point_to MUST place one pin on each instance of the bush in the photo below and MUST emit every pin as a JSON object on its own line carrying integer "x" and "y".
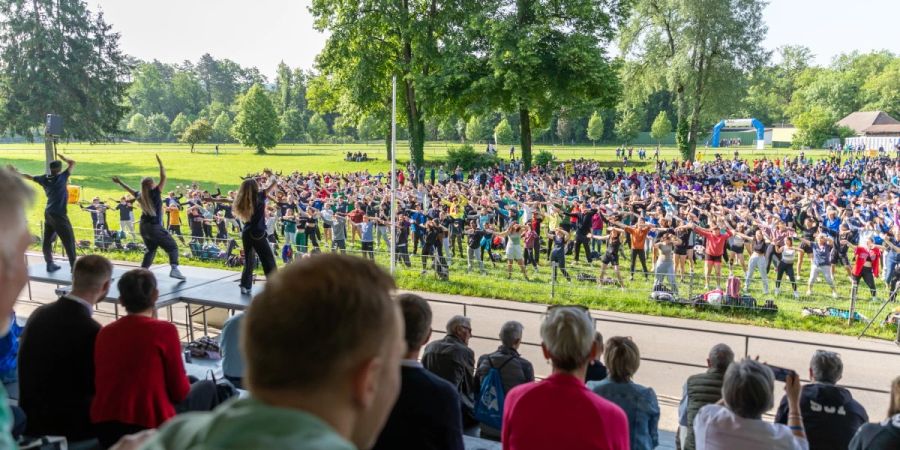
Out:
{"x": 543, "y": 158}
{"x": 466, "y": 157}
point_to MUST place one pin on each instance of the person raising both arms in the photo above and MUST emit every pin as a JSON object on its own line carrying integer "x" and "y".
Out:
{"x": 250, "y": 207}
{"x": 152, "y": 231}
{"x": 715, "y": 248}
{"x": 56, "y": 218}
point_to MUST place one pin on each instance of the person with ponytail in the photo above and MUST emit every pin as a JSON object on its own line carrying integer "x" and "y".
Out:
{"x": 152, "y": 231}
{"x": 250, "y": 207}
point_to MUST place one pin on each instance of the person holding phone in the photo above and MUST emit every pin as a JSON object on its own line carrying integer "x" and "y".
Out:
{"x": 736, "y": 421}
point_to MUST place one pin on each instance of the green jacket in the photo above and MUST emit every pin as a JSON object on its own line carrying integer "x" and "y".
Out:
{"x": 702, "y": 389}
{"x": 247, "y": 424}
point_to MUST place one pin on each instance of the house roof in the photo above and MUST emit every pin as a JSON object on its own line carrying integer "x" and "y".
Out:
{"x": 889, "y": 128}
{"x": 860, "y": 121}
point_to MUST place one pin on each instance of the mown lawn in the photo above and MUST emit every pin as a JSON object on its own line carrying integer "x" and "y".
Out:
{"x": 98, "y": 163}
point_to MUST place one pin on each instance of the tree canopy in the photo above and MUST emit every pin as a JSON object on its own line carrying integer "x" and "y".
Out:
{"x": 257, "y": 124}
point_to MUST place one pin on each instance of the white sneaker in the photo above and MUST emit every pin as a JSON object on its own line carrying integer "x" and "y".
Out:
{"x": 777, "y": 292}
{"x": 796, "y": 294}
{"x": 175, "y": 273}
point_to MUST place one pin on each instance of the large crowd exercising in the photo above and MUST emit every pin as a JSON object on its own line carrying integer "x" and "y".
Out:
{"x": 813, "y": 220}
{"x": 332, "y": 358}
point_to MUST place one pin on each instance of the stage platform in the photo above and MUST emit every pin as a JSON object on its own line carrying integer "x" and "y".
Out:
{"x": 203, "y": 287}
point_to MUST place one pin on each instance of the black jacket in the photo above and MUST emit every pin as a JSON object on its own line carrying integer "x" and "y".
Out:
{"x": 56, "y": 370}
{"x": 830, "y": 415}
{"x": 452, "y": 360}
{"x": 426, "y": 415}
{"x": 875, "y": 436}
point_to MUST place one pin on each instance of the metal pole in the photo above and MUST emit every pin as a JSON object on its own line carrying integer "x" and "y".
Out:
{"x": 393, "y": 174}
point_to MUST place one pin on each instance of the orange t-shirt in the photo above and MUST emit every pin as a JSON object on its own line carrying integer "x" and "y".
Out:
{"x": 638, "y": 236}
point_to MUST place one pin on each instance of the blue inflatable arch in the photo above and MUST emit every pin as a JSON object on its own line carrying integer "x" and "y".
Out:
{"x": 738, "y": 123}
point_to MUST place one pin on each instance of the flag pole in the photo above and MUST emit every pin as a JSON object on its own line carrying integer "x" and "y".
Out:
{"x": 393, "y": 174}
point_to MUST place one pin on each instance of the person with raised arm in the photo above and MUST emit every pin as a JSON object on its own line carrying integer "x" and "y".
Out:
{"x": 152, "y": 231}
{"x": 56, "y": 218}
{"x": 250, "y": 207}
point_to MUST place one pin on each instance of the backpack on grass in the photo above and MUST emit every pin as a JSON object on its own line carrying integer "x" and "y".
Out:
{"x": 489, "y": 405}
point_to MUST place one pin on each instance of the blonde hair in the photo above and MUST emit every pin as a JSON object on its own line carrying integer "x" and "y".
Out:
{"x": 622, "y": 358}
{"x": 245, "y": 200}
{"x": 144, "y": 200}
{"x": 894, "y": 407}
{"x": 568, "y": 335}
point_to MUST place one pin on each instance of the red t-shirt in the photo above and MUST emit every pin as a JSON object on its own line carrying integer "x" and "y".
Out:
{"x": 715, "y": 242}
{"x": 561, "y": 413}
{"x": 139, "y": 374}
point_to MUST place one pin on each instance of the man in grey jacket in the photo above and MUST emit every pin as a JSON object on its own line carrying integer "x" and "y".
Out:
{"x": 514, "y": 370}
{"x": 451, "y": 359}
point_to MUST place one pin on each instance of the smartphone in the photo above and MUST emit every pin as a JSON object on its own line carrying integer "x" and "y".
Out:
{"x": 780, "y": 373}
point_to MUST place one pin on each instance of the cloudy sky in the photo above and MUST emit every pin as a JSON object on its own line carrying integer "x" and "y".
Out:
{"x": 263, "y": 32}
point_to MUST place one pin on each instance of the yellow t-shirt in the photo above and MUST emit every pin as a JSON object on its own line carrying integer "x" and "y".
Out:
{"x": 174, "y": 216}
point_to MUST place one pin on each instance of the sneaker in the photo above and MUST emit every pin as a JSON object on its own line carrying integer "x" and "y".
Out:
{"x": 175, "y": 273}
{"x": 796, "y": 294}
{"x": 245, "y": 291}
{"x": 777, "y": 292}
{"x": 51, "y": 267}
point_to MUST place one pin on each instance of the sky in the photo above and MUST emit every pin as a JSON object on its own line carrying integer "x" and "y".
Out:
{"x": 262, "y": 33}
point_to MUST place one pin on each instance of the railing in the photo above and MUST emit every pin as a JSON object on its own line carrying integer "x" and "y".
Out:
{"x": 747, "y": 338}
{"x": 545, "y": 287}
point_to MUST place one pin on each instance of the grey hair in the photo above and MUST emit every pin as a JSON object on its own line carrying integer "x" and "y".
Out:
{"x": 511, "y": 333}
{"x": 826, "y": 366}
{"x": 16, "y": 197}
{"x": 748, "y": 388}
{"x": 456, "y": 322}
{"x": 720, "y": 357}
{"x": 568, "y": 335}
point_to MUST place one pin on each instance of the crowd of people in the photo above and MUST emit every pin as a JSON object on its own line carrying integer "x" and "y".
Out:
{"x": 793, "y": 216}
{"x": 359, "y": 381}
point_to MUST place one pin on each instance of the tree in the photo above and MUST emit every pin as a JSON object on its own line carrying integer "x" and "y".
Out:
{"x": 138, "y": 127}
{"x": 284, "y": 81}
{"x": 881, "y": 92}
{"x": 370, "y": 41}
{"x": 476, "y": 130}
{"x": 369, "y": 128}
{"x": 447, "y": 130}
{"x": 814, "y": 127}
{"x": 58, "y": 57}
{"x": 661, "y": 127}
{"x": 317, "y": 128}
{"x": 628, "y": 126}
{"x": 222, "y": 128}
{"x": 180, "y": 124}
{"x": 198, "y": 132}
{"x": 699, "y": 50}
{"x": 293, "y": 124}
{"x": 503, "y": 132}
{"x": 563, "y": 128}
{"x": 595, "y": 128}
{"x": 543, "y": 56}
{"x": 257, "y": 123}
{"x": 158, "y": 128}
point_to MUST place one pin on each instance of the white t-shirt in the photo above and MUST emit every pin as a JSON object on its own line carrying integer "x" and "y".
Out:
{"x": 717, "y": 428}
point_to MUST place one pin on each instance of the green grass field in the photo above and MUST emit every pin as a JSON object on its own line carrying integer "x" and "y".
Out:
{"x": 98, "y": 163}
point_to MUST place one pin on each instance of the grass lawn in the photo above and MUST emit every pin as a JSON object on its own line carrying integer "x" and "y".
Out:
{"x": 98, "y": 163}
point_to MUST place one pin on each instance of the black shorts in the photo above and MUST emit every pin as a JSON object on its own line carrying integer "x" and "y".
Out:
{"x": 368, "y": 246}
{"x": 326, "y": 225}
{"x": 682, "y": 250}
{"x": 840, "y": 259}
{"x": 714, "y": 258}
{"x": 737, "y": 249}
{"x": 610, "y": 259}
{"x": 806, "y": 248}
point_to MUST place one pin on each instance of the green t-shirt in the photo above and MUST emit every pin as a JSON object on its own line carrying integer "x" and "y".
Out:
{"x": 247, "y": 424}
{"x": 6, "y": 422}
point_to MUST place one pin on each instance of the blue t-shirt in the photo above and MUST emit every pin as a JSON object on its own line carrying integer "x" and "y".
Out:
{"x": 55, "y": 186}
{"x": 366, "y": 230}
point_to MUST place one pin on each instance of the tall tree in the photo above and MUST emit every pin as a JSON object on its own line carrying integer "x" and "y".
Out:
{"x": 179, "y": 124}
{"x": 257, "y": 123}
{"x": 138, "y": 127}
{"x": 628, "y": 126}
{"x": 317, "y": 128}
{"x": 699, "y": 50}
{"x": 545, "y": 55}
{"x": 371, "y": 40}
{"x": 503, "y": 132}
{"x": 198, "y": 132}
{"x": 222, "y": 128}
{"x": 158, "y": 129}
{"x": 58, "y": 57}
{"x": 595, "y": 128}
{"x": 294, "y": 125}
{"x": 284, "y": 86}
{"x": 661, "y": 127}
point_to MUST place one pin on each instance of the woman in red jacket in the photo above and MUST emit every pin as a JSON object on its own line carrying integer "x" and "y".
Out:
{"x": 139, "y": 374}
{"x": 868, "y": 262}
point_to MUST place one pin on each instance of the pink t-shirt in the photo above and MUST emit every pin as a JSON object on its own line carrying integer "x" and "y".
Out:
{"x": 560, "y": 412}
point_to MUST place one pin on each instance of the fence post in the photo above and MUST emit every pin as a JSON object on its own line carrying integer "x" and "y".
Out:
{"x": 553, "y": 280}
{"x": 691, "y": 284}
{"x": 853, "y": 289}
{"x": 746, "y": 346}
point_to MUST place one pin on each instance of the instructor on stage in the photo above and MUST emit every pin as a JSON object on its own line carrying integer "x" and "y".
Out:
{"x": 56, "y": 219}
{"x": 152, "y": 231}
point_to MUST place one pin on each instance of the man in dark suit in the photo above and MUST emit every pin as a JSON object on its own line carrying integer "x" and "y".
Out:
{"x": 56, "y": 356}
{"x": 426, "y": 415}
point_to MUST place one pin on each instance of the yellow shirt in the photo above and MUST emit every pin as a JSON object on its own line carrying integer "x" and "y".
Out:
{"x": 174, "y": 216}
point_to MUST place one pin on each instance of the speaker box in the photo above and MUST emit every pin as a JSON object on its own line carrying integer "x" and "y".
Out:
{"x": 54, "y": 126}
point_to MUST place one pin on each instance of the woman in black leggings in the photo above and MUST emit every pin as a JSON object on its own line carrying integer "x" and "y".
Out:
{"x": 152, "y": 230}
{"x": 250, "y": 207}
{"x": 868, "y": 259}
{"x": 786, "y": 256}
